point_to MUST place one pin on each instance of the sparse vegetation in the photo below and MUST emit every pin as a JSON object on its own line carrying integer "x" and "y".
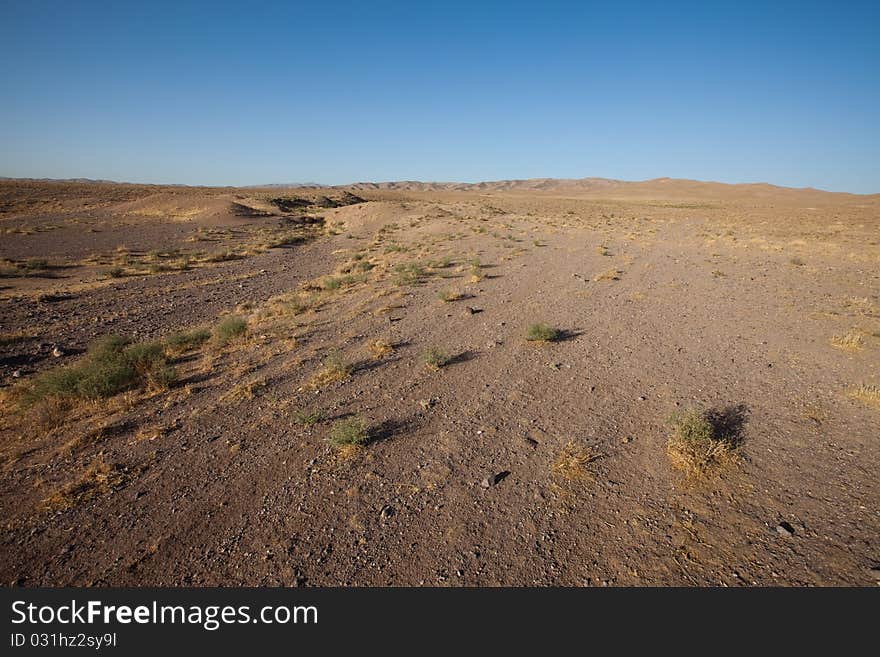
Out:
{"x": 851, "y": 341}
{"x": 435, "y": 358}
{"x": 409, "y": 273}
{"x": 99, "y": 478}
{"x": 333, "y": 283}
{"x": 183, "y": 341}
{"x": 572, "y": 461}
{"x": 112, "y": 365}
{"x": 535, "y": 381}
{"x": 246, "y": 390}
{"x": 308, "y": 418}
{"x": 381, "y": 348}
{"x": 334, "y": 368}
{"x": 352, "y": 431}
{"x": 7, "y": 339}
{"x": 293, "y": 303}
{"x": 448, "y": 296}
{"x": 868, "y": 393}
{"x": 229, "y": 328}
{"x": 697, "y": 446}
{"x": 608, "y": 275}
{"x": 861, "y": 306}
{"x": 542, "y": 333}
{"x": 35, "y": 264}
{"x": 222, "y": 256}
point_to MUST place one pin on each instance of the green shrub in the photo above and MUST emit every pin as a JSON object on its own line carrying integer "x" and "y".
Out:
{"x": 308, "y": 418}
{"x": 350, "y": 431}
{"x": 111, "y": 365}
{"x": 542, "y": 333}
{"x": 331, "y": 283}
{"x": 696, "y": 445}
{"x": 35, "y": 264}
{"x": 435, "y": 358}
{"x": 187, "y": 340}
{"x": 230, "y": 328}
{"x": 409, "y": 273}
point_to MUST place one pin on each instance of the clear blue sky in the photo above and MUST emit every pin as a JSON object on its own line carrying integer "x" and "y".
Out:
{"x": 334, "y": 92}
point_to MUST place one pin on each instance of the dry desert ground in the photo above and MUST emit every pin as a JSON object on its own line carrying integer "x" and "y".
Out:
{"x": 583, "y": 382}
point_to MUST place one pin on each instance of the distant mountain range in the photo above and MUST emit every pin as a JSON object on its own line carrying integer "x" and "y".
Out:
{"x": 661, "y": 186}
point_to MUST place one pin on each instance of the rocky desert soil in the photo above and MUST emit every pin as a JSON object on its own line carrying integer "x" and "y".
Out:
{"x": 486, "y": 458}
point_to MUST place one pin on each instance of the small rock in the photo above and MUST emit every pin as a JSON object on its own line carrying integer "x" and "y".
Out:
{"x": 784, "y": 529}
{"x": 474, "y": 311}
{"x": 494, "y": 479}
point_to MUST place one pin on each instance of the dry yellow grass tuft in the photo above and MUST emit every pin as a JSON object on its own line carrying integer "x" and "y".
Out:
{"x": 609, "y": 275}
{"x": 245, "y": 390}
{"x": 868, "y": 393}
{"x": 380, "y": 348}
{"x": 696, "y": 445}
{"x": 335, "y": 368}
{"x": 346, "y": 452}
{"x": 448, "y": 296}
{"x": 572, "y": 462}
{"x": 98, "y": 479}
{"x": 861, "y": 306}
{"x": 850, "y": 341}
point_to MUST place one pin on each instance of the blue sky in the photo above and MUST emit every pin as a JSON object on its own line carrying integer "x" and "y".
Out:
{"x": 335, "y": 92}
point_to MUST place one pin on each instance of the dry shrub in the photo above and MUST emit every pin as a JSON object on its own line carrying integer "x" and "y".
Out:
{"x": 98, "y": 479}
{"x": 447, "y": 296}
{"x": 851, "y": 341}
{"x": 380, "y": 348}
{"x": 572, "y": 462}
{"x": 334, "y": 368}
{"x": 861, "y": 306}
{"x": 704, "y": 442}
{"x": 868, "y": 393}
{"x": 609, "y": 275}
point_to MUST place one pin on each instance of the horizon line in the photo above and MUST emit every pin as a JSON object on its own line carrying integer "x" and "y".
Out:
{"x": 86, "y": 180}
